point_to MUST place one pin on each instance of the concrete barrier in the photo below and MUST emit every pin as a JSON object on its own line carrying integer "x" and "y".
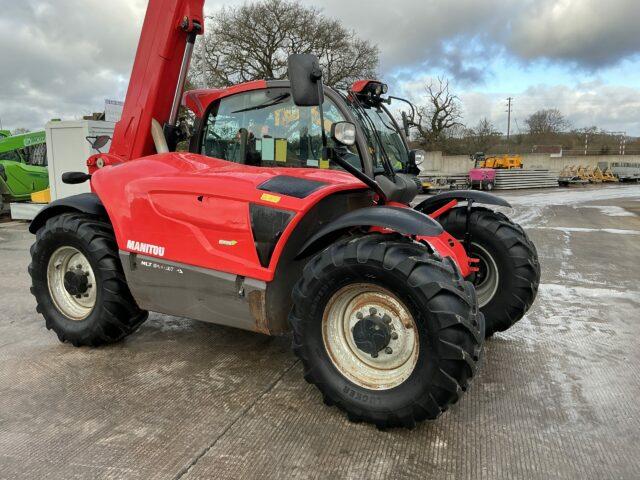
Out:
{"x": 438, "y": 164}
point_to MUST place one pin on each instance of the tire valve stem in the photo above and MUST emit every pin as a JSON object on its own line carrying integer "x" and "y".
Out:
{"x": 394, "y": 336}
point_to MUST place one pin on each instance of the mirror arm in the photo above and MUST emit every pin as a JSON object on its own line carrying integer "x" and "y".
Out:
{"x": 318, "y": 77}
{"x": 360, "y": 175}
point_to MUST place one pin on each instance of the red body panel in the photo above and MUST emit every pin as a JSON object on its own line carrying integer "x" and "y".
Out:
{"x": 196, "y": 208}
{"x": 155, "y": 74}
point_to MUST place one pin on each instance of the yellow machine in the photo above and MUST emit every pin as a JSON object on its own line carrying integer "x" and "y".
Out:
{"x": 568, "y": 171}
{"x": 505, "y": 161}
{"x": 595, "y": 174}
{"x": 608, "y": 176}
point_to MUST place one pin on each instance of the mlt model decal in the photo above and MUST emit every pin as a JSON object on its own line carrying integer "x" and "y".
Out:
{"x": 145, "y": 248}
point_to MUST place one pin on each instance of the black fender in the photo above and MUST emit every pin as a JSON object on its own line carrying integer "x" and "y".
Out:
{"x": 433, "y": 203}
{"x": 83, "y": 203}
{"x": 398, "y": 219}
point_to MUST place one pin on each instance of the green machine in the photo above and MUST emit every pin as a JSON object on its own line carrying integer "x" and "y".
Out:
{"x": 23, "y": 166}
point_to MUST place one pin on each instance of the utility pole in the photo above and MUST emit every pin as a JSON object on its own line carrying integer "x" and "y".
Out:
{"x": 509, "y": 124}
{"x": 586, "y": 142}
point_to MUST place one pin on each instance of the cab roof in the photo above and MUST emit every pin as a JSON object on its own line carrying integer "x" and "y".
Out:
{"x": 199, "y": 100}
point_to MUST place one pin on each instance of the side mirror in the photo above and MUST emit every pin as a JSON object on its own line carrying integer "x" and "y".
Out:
{"x": 305, "y": 76}
{"x": 344, "y": 133}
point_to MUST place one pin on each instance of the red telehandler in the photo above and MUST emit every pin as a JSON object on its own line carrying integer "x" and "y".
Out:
{"x": 289, "y": 212}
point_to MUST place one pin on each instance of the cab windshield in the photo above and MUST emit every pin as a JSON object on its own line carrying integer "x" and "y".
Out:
{"x": 383, "y": 137}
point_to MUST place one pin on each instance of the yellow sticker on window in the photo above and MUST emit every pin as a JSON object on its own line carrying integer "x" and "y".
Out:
{"x": 267, "y": 197}
{"x": 324, "y": 163}
{"x": 281, "y": 150}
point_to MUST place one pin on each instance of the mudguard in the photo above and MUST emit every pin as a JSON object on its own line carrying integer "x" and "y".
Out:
{"x": 83, "y": 202}
{"x": 398, "y": 219}
{"x": 433, "y": 203}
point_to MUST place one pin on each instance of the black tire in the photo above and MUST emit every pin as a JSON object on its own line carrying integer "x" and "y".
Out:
{"x": 516, "y": 259}
{"x": 442, "y": 304}
{"x": 115, "y": 313}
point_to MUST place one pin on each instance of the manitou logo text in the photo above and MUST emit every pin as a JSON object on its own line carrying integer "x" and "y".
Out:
{"x": 145, "y": 248}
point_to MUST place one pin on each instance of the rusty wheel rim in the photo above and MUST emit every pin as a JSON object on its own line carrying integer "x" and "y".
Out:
{"x": 393, "y": 363}
{"x": 64, "y": 260}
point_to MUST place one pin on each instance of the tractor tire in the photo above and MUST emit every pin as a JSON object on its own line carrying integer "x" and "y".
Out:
{"x": 387, "y": 331}
{"x": 509, "y": 275}
{"x": 79, "y": 284}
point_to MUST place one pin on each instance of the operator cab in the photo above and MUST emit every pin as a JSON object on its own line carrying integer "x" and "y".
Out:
{"x": 291, "y": 124}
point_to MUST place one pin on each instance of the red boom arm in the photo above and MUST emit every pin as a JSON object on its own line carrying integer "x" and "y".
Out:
{"x": 156, "y": 73}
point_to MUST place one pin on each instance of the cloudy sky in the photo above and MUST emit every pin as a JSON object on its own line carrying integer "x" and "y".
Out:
{"x": 62, "y": 58}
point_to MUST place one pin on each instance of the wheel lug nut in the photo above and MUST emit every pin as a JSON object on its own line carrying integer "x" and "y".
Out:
{"x": 386, "y": 318}
{"x": 394, "y": 336}
{"x": 359, "y": 316}
{"x": 388, "y": 350}
{"x": 374, "y": 355}
{"x": 373, "y": 311}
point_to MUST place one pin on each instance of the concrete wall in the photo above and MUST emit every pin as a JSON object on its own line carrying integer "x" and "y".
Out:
{"x": 436, "y": 163}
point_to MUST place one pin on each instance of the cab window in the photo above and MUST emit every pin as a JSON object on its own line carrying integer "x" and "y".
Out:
{"x": 265, "y": 128}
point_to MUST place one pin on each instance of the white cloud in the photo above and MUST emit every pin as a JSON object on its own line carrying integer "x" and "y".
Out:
{"x": 610, "y": 107}
{"x": 62, "y": 58}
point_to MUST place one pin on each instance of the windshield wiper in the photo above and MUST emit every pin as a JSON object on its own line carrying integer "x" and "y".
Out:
{"x": 271, "y": 103}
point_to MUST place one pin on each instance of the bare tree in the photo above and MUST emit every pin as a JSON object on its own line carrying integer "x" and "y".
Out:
{"x": 441, "y": 113}
{"x": 253, "y": 41}
{"x": 546, "y": 121}
{"x": 483, "y": 136}
{"x": 20, "y": 130}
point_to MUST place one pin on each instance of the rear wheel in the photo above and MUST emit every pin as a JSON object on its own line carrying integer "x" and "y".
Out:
{"x": 509, "y": 271}
{"x": 79, "y": 284}
{"x": 387, "y": 331}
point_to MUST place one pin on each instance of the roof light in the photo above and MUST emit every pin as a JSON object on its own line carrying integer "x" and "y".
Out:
{"x": 371, "y": 88}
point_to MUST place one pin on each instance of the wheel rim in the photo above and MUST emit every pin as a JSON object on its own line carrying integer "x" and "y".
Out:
{"x": 72, "y": 283}
{"x": 487, "y": 279}
{"x": 345, "y": 313}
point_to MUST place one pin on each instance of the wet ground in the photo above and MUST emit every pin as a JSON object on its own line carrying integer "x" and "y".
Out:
{"x": 557, "y": 397}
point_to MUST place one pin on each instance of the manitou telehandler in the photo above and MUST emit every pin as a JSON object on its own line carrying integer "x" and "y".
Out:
{"x": 289, "y": 212}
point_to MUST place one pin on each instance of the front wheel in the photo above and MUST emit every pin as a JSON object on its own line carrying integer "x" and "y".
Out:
{"x": 386, "y": 331}
{"x": 78, "y": 281}
{"x": 509, "y": 271}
